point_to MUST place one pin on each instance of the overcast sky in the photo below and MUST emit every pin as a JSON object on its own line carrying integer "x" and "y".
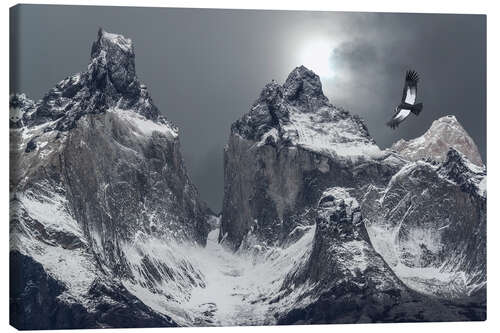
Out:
{"x": 204, "y": 68}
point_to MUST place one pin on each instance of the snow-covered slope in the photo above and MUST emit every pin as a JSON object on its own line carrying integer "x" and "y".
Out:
{"x": 429, "y": 224}
{"x": 444, "y": 133}
{"x": 326, "y": 133}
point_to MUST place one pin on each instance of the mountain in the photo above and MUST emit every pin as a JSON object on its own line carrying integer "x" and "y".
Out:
{"x": 318, "y": 224}
{"x": 282, "y": 155}
{"x": 444, "y": 133}
{"x": 96, "y": 177}
{"x": 394, "y": 239}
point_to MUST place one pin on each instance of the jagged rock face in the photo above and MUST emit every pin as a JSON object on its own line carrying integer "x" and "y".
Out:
{"x": 341, "y": 246}
{"x": 444, "y": 133}
{"x": 292, "y": 145}
{"x": 114, "y": 60}
{"x": 96, "y": 170}
{"x": 109, "y": 82}
{"x": 429, "y": 224}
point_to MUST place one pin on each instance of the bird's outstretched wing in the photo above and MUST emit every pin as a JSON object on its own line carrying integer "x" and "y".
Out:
{"x": 410, "y": 88}
{"x": 398, "y": 118}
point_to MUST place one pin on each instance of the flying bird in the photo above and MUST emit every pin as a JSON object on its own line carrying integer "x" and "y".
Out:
{"x": 407, "y": 104}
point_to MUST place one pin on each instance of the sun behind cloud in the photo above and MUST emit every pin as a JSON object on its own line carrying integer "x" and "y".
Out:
{"x": 315, "y": 54}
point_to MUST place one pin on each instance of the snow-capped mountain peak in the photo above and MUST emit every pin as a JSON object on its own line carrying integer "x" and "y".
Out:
{"x": 112, "y": 56}
{"x": 109, "y": 84}
{"x": 298, "y": 113}
{"x": 303, "y": 88}
{"x": 444, "y": 133}
{"x": 124, "y": 43}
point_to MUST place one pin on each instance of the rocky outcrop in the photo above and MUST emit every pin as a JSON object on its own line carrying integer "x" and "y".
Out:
{"x": 96, "y": 170}
{"x": 444, "y": 133}
{"x": 341, "y": 250}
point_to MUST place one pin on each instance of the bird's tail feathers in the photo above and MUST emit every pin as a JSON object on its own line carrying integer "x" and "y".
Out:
{"x": 392, "y": 123}
{"x": 417, "y": 108}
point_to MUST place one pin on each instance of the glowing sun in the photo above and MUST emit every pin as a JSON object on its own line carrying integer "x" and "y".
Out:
{"x": 315, "y": 55}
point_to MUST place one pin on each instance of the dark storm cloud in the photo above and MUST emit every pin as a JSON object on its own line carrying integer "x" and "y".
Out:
{"x": 356, "y": 55}
{"x": 205, "y": 67}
